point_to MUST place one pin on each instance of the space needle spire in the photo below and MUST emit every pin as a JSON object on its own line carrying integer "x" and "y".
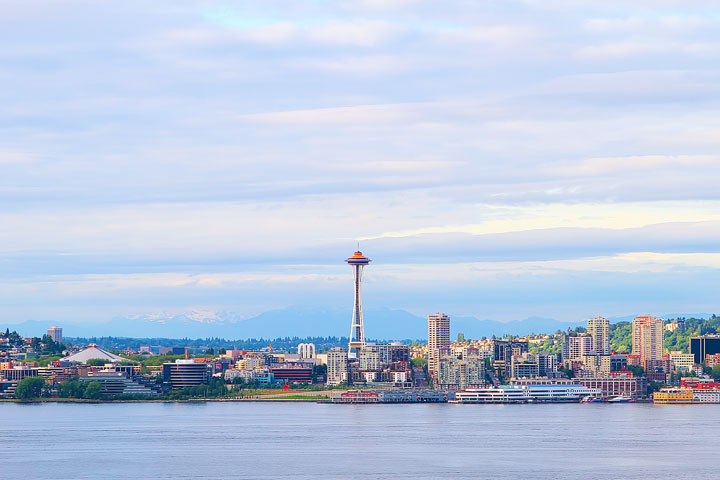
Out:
{"x": 357, "y": 330}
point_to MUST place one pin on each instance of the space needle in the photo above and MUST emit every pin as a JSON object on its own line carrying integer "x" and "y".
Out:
{"x": 357, "y": 330}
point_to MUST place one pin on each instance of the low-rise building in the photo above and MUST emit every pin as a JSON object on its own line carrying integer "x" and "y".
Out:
{"x": 357, "y": 396}
{"x": 712, "y": 360}
{"x": 185, "y": 373}
{"x": 682, "y": 361}
{"x": 119, "y": 383}
{"x": 674, "y": 395}
{"x": 292, "y": 373}
{"x": 18, "y": 372}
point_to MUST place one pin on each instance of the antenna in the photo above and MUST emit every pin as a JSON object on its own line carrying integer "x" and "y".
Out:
{"x": 358, "y": 245}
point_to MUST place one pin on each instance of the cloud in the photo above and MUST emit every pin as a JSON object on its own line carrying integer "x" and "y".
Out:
{"x": 13, "y": 158}
{"x": 207, "y": 142}
{"x": 646, "y": 24}
{"x": 334, "y": 33}
{"x": 354, "y": 115}
{"x": 592, "y": 167}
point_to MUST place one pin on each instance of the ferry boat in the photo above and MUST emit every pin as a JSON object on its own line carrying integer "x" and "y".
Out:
{"x": 526, "y": 394}
{"x": 682, "y": 395}
{"x": 621, "y": 399}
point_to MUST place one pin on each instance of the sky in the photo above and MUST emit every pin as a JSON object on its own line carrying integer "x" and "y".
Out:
{"x": 494, "y": 159}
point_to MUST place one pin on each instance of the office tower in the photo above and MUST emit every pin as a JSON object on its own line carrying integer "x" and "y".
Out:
{"x": 337, "y": 366}
{"x": 599, "y": 330}
{"x": 547, "y": 364}
{"x": 357, "y": 329}
{"x": 503, "y": 350}
{"x": 704, "y": 345}
{"x": 438, "y": 337}
{"x": 55, "y": 333}
{"x": 185, "y": 373}
{"x": 647, "y": 338}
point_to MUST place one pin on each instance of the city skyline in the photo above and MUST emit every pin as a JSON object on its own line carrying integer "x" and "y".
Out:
{"x": 551, "y": 159}
{"x": 183, "y": 183}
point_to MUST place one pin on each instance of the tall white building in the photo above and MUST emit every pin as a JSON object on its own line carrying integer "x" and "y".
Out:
{"x": 306, "y": 350}
{"x": 337, "y": 366}
{"x": 55, "y": 333}
{"x": 438, "y": 338}
{"x": 647, "y": 338}
{"x": 599, "y": 330}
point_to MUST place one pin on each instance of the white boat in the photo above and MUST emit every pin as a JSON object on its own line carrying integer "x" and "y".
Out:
{"x": 526, "y": 394}
{"x": 621, "y": 399}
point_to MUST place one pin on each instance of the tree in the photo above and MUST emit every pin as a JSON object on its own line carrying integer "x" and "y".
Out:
{"x": 93, "y": 390}
{"x": 716, "y": 372}
{"x": 71, "y": 389}
{"x": 460, "y": 337}
{"x": 29, "y": 387}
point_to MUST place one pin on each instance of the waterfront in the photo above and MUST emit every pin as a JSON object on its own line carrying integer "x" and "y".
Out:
{"x": 291, "y": 440}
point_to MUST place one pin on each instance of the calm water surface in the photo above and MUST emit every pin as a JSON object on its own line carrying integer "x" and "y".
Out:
{"x": 292, "y": 440}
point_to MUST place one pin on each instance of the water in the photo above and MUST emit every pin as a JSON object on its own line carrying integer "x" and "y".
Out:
{"x": 293, "y": 440}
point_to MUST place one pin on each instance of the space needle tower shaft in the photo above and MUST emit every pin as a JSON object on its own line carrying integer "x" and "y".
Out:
{"x": 357, "y": 329}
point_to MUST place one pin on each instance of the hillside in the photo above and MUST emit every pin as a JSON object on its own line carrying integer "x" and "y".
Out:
{"x": 621, "y": 334}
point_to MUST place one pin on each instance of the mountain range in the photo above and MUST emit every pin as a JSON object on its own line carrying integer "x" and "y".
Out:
{"x": 380, "y": 324}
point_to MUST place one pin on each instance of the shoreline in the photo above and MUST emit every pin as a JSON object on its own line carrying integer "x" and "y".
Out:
{"x": 291, "y": 400}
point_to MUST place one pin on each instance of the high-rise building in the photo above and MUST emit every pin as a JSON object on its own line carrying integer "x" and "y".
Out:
{"x": 357, "y": 329}
{"x": 337, "y": 366}
{"x": 503, "y": 350}
{"x": 565, "y": 347}
{"x": 438, "y": 337}
{"x": 647, "y": 338}
{"x": 599, "y": 330}
{"x": 455, "y": 373}
{"x": 595, "y": 365}
{"x": 306, "y": 350}
{"x": 704, "y": 345}
{"x": 369, "y": 359}
{"x": 579, "y": 346}
{"x": 547, "y": 364}
{"x": 55, "y": 333}
{"x": 525, "y": 365}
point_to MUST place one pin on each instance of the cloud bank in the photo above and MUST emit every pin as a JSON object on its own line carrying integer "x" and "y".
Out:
{"x": 502, "y": 160}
